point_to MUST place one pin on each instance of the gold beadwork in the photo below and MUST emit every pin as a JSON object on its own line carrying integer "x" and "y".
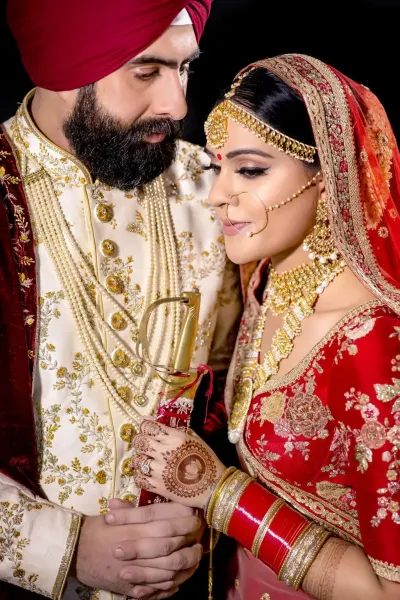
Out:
{"x": 118, "y": 321}
{"x": 125, "y": 393}
{"x": 140, "y": 400}
{"x": 127, "y": 432}
{"x": 120, "y": 358}
{"x": 114, "y": 284}
{"x": 302, "y": 555}
{"x": 108, "y": 248}
{"x": 216, "y": 128}
{"x": 127, "y": 468}
{"x": 104, "y": 212}
{"x": 320, "y": 244}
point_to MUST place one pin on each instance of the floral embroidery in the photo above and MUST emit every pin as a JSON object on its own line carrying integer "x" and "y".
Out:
{"x": 194, "y": 268}
{"x": 358, "y": 328}
{"x": 94, "y": 437}
{"x": 138, "y": 226}
{"x": 12, "y": 545}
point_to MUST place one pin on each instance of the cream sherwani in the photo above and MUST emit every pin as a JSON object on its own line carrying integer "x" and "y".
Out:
{"x": 84, "y": 455}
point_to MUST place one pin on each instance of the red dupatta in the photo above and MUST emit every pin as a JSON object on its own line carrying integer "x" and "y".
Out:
{"x": 361, "y": 165}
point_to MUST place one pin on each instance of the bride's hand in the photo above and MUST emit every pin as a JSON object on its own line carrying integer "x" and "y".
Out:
{"x": 174, "y": 464}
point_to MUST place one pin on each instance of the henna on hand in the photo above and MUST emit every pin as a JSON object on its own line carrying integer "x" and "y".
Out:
{"x": 152, "y": 429}
{"x": 142, "y": 481}
{"x": 141, "y": 443}
{"x": 190, "y": 470}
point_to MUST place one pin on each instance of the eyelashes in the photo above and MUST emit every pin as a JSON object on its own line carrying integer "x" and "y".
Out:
{"x": 247, "y": 172}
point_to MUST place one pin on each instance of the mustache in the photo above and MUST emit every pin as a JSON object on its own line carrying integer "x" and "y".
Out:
{"x": 144, "y": 127}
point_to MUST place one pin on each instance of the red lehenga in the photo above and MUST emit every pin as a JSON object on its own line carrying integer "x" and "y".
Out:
{"x": 326, "y": 436}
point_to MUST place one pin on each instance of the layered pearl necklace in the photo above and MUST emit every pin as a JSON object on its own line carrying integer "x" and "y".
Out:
{"x": 73, "y": 270}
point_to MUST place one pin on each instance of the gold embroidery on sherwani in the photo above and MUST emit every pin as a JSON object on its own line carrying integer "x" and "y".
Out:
{"x": 87, "y": 471}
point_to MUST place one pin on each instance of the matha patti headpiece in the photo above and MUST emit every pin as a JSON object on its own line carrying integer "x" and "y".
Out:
{"x": 216, "y": 127}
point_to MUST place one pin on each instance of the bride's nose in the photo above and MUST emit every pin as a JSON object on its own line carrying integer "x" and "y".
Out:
{"x": 222, "y": 194}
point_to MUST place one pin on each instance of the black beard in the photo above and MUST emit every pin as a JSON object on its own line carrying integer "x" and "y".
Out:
{"x": 114, "y": 153}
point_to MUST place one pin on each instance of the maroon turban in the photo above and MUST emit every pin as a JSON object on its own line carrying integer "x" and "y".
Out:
{"x": 66, "y": 44}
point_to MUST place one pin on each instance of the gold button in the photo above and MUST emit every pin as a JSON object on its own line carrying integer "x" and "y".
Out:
{"x": 140, "y": 400}
{"x": 118, "y": 321}
{"x": 120, "y": 358}
{"x": 115, "y": 284}
{"x": 137, "y": 369}
{"x": 130, "y": 498}
{"x": 127, "y": 468}
{"x": 108, "y": 248}
{"x": 104, "y": 212}
{"x": 124, "y": 393}
{"x": 127, "y": 432}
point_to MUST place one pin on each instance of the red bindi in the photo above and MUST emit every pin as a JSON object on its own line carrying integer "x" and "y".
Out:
{"x": 219, "y": 156}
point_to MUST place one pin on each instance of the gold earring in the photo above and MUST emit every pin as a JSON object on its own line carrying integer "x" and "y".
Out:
{"x": 319, "y": 244}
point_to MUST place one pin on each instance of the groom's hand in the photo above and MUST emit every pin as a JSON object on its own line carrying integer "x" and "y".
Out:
{"x": 164, "y": 539}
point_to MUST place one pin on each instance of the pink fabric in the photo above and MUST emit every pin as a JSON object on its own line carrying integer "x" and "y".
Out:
{"x": 68, "y": 44}
{"x": 248, "y": 573}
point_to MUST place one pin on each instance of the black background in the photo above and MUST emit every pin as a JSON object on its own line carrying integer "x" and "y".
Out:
{"x": 358, "y": 37}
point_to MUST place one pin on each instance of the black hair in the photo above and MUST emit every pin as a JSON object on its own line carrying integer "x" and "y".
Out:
{"x": 277, "y": 105}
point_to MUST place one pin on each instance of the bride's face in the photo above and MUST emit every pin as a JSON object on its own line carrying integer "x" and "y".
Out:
{"x": 269, "y": 176}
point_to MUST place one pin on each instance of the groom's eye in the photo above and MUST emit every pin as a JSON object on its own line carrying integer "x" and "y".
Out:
{"x": 145, "y": 76}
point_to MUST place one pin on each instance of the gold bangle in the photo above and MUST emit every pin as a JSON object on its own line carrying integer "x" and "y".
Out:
{"x": 233, "y": 501}
{"x": 220, "y": 497}
{"x": 224, "y": 504}
{"x": 302, "y": 555}
{"x": 265, "y": 525}
{"x": 209, "y": 509}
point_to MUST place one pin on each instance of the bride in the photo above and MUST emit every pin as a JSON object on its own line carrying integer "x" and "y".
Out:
{"x": 307, "y": 188}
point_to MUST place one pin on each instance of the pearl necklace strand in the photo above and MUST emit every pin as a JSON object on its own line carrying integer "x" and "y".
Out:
{"x": 53, "y": 228}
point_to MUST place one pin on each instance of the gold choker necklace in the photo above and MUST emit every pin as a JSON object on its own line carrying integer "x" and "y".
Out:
{"x": 292, "y": 294}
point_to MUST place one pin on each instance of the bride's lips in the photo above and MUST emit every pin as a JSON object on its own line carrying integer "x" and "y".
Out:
{"x": 231, "y": 228}
{"x": 155, "y": 138}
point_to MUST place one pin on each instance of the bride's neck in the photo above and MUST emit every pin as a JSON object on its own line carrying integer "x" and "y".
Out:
{"x": 285, "y": 261}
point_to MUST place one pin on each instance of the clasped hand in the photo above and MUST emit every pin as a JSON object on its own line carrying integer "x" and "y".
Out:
{"x": 144, "y": 552}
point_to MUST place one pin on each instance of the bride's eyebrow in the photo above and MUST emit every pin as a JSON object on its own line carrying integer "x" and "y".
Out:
{"x": 252, "y": 151}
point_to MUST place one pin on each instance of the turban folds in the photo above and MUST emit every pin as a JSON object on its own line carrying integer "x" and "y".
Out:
{"x": 66, "y": 44}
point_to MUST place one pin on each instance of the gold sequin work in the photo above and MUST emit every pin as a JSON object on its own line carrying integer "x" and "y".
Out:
{"x": 104, "y": 212}
{"x": 108, "y": 248}
{"x": 118, "y": 321}
{"x": 114, "y": 284}
{"x": 120, "y": 358}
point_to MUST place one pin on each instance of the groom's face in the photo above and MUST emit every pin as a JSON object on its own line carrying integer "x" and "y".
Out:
{"x": 124, "y": 127}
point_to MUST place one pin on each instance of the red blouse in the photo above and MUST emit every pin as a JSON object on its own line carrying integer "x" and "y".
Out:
{"x": 326, "y": 437}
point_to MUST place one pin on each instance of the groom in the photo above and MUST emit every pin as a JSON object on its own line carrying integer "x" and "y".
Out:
{"x": 90, "y": 234}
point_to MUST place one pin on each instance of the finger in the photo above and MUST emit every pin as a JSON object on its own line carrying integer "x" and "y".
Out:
{"x": 178, "y": 580}
{"x": 116, "y": 503}
{"x": 181, "y": 560}
{"x": 149, "y": 548}
{"x": 145, "y": 575}
{"x": 141, "y": 592}
{"x": 143, "y": 443}
{"x": 166, "y": 528}
{"x": 142, "y": 464}
{"x": 148, "y": 514}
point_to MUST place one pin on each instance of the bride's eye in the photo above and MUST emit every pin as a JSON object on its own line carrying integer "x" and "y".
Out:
{"x": 211, "y": 167}
{"x": 252, "y": 172}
